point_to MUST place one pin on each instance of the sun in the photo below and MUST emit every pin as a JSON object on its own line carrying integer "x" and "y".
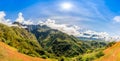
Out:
{"x": 66, "y": 6}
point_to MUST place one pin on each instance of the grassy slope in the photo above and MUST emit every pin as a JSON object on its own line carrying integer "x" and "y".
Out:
{"x": 111, "y": 53}
{"x": 20, "y": 39}
{"x": 8, "y": 53}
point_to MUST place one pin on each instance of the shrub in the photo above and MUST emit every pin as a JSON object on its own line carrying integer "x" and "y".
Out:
{"x": 99, "y": 54}
{"x": 111, "y": 44}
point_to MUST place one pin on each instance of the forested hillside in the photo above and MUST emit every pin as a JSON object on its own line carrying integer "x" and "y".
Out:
{"x": 42, "y": 41}
{"x": 21, "y": 39}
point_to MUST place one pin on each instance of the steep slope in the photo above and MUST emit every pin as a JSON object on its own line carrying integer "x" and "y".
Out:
{"x": 8, "y": 53}
{"x": 24, "y": 41}
{"x": 42, "y": 41}
{"x": 112, "y": 53}
{"x": 56, "y": 42}
{"x": 60, "y": 44}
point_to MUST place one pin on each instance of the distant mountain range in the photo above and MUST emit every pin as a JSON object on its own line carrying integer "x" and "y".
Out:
{"x": 98, "y": 36}
{"x": 86, "y": 35}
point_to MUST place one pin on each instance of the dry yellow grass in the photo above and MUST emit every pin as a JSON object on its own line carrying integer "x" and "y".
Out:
{"x": 8, "y": 53}
{"x": 111, "y": 53}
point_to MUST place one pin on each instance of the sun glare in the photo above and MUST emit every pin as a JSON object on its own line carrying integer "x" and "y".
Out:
{"x": 66, "y": 6}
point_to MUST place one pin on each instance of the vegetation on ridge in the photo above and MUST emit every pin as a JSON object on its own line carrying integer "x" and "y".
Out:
{"x": 21, "y": 39}
{"x": 42, "y": 41}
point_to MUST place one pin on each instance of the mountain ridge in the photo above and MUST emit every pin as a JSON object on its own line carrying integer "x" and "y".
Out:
{"x": 44, "y": 42}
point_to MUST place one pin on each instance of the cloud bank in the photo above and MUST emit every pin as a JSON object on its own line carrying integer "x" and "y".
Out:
{"x": 70, "y": 30}
{"x": 3, "y": 20}
{"x": 90, "y": 33}
{"x": 8, "y": 22}
{"x": 75, "y": 31}
{"x": 65, "y": 28}
{"x": 99, "y": 36}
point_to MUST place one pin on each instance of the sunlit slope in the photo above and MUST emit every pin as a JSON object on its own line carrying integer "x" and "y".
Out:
{"x": 8, "y": 53}
{"x": 111, "y": 53}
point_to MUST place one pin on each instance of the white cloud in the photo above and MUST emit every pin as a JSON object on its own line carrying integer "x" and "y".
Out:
{"x": 74, "y": 30}
{"x": 99, "y": 35}
{"x": 8, "y": 22}
{"x": 93, "y": 34}
{"x": 116, "y": 38}
{"x": 70, "y": 30}
{"x": 3, "y": 20}
{"x": 116, "y": 18}
{"x": 96, "y": 33}
{"x": 20, "y": 18}
{"x": 2, "y": 15}
{"x": 28, "y": 22}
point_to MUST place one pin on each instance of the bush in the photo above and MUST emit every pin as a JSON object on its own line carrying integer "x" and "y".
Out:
{"x": 111, "y": 44}
{"x": 44, "y": 56}
{"x": 99, "y": 54}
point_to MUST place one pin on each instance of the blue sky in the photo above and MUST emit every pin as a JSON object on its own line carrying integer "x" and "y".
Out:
{"x": 97, "y": 15}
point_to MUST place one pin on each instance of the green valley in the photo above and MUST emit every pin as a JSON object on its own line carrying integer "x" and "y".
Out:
{"x": 44, "y": 42}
